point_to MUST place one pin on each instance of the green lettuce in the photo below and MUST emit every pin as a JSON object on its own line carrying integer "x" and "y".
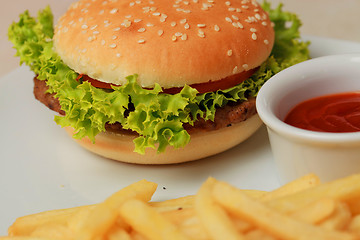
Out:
{"x": 157, "y": 117}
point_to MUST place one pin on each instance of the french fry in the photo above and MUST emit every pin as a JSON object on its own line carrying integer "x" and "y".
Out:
{"x": 316, "y": 211}
{"x": 297, "y": 185}
{"x": 258, "y": 235}
{"x": 149, "y": 222}
{"x": 342, "y": 189}
{"x": 104, "y": 214}
{"x": 187, "y": 222}
{"x": 174, "y": 204}
{"x": 339, "y": 219}
{"x": 24, "y": 226}
{"x": 354, "y": 225}
{"x": 270, "y": 220}
{"x": 23, "y": 238}
{"x": 215, "y": 220}
{"x": 118, "y": 234}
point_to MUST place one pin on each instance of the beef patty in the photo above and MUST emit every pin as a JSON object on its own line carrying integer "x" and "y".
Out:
{"x": 226, "y": 116}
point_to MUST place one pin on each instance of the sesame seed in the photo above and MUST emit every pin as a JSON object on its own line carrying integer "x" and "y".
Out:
{"x": 176, "y": 5}
{"x": 96, "y": 32}
{"x": 173, "y": 38}
{"x": 117, "y": 29}
{"x": 141, "y": 30}
{"x": 81, "y": 19}
{"x": 131, "y": 4}
{"x": 178, "y": 34}
{"x": 186, "y": 26}
{"x": 156, "y": 14}
{"x": 227, "y": 3}
{"x": 216, "y": 28}
{"x": 245, "y": 6}
{"x": 103, "y": 42}
{"x": 153, "y": 9}
{"x": 235, "y": 17}
{"x": 187, "y": 11}
{"x": 90, "y": 39}
{"x": 235, "y": 70}
{"x": 84, "y": 26}
{"x": 245, "y": 66}
{"x": 164, "y": 15}
{"x": 183, "y": 37}
{"x": 182, "y": 21}
{"x": 151, "y": 2}
{"x": 258, "y": 16}
{"x": 162, "y": 19}
{"x": 137, "y": 2}
{"x": 112, "y": 45}
{"x": 160, "y": 32}
{"x": 141, "y": 41}
{"x": 235, "y": 24}
{"x": 231, "y": 9}
{"x": 228, "y": 19}
{"x": 173, "y": 24}
{"x": 195, "y": 1}
{"x": 149, "y": 25}
{"x": 201, "y": 25}
{"x": 128, "y": 16}
{"x": 264, "y": 23}
{"x": 118, "y": 55}
{"x": 113, "y": 11}
{"x": 256, "y": 10}
{"x": 93, "y": 27}
{"x": 254, "y": 36}
{"x": 252, "y": 29}
{"x": 186, "y": 2}
{"x": 240, "y": 25}
{"x": 104, "y": 2}
{"x": 266, "y": 41}
{"x": 137, "y": 20}
{"x": 238, "y": 10}
{"x": 229, "y": 52}
{"x": 114, "y": 37}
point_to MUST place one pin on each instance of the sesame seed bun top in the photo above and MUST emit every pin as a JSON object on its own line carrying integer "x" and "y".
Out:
{"x": 167, "y": 42}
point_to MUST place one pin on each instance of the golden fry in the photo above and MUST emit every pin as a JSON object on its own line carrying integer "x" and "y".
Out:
{"x": 270, "y": 220}
{"x": 103, "y": 216}
{"x": 214, "y": 219}
{"x": 339, "y": 219}
{"x": 149, "y": 222}
{"x": 343, "y": 189}
{"x": 292, "y": 187}
{"x": 316, "y": 211}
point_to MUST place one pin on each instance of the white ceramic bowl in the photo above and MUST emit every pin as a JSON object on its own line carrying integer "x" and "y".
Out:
{"x": 297, "y": 151}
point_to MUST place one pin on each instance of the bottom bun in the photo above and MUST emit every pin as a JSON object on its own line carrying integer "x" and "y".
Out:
{"x": 120, "y": 147}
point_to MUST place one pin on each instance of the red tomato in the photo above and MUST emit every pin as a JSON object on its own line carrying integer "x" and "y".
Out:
{"x": 210, "y": 86}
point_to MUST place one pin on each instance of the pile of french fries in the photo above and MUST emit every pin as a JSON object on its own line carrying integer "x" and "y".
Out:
{"x": 302, "y": 209}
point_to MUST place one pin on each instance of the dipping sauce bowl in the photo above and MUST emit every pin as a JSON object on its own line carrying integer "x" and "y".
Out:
{"x": 297, "y": 151}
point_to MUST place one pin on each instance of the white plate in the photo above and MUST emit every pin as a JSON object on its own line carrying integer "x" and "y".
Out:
{"x": 41, "y": 168}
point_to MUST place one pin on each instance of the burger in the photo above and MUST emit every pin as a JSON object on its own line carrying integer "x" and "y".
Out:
{"x": 157, "y": 81}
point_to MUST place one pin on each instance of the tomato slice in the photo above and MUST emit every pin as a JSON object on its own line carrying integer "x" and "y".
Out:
{"x": 210, "y": 86}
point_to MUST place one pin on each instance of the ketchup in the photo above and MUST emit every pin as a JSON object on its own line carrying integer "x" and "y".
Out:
{"x": 329, "y": 113}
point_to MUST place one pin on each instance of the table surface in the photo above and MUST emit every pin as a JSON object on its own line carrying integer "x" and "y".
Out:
{"x": 326, "y": 18}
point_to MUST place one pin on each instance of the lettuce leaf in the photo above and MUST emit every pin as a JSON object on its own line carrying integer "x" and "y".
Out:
{"x": 158, "y": 118}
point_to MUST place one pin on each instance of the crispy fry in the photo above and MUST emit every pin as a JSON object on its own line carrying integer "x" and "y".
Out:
{"x": 339, "y": 219}
{"x": 316, "y": 211}
{"x": 174, "y": 204}
{"x": 343, "y": 189}
{"x": 102, "y": 217}
{"x": 269, "y": 220}
{"x": 297, "y": 185}
{"x": 25, "y": 225}
{"x": 149, "y": 222}
{"x": 215, "y": 220}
